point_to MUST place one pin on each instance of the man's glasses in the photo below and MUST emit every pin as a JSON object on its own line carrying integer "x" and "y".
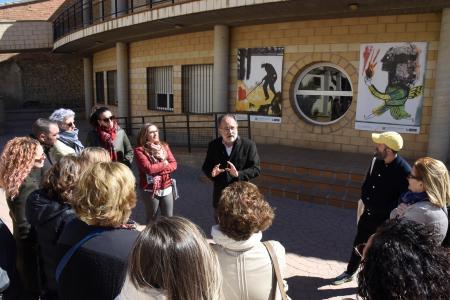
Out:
{"x": 110, "y": 119}
{"x": 359, "y": 249}
{"x": 228, "y": 128}
{"x": 411, "y": 176}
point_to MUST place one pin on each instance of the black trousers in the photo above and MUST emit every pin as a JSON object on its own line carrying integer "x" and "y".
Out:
{"x": 367, "y": 225}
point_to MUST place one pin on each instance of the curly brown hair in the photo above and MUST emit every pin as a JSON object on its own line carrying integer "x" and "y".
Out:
{"x": 242, "y": 211}
{"x": 16, "y": 162}
{"x": 61, "y": 179}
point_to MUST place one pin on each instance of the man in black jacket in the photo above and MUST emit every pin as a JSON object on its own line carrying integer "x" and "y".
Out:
{"x": 385, "y": 181}
{"x": 230, "y": 158}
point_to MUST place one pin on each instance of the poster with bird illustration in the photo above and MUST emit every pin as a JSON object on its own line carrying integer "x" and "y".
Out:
{"x": 259, "y": 80}
{"x": 391, "y": 86}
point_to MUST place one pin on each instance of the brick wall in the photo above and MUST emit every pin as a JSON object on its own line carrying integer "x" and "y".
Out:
{"x": 41, "y": 78}
{"x": 306, "y": 42}
{"x": 336, "y": 41}
{"x": 26, "y": 35}
{"x": 38, "y": 10}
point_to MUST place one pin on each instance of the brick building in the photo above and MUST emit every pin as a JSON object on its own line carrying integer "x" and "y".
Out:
{"x": 142, "y": 57}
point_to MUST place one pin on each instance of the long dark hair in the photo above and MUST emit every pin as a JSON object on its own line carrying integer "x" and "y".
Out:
{"x": 404, "y": 262}
{"x": 93, "y": 120}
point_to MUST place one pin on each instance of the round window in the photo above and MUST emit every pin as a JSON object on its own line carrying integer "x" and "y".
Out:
{"x": 323, "y": 94}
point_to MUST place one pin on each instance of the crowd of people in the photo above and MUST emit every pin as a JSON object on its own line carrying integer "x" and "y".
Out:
{"x": 73, "y": 237}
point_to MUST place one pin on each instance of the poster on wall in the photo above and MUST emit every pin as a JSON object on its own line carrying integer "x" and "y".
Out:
{"x": 390, "y": 87}
{"x": 259, "y": 82}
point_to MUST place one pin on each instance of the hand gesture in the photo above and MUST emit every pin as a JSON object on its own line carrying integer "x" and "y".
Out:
{"x": 216, "y": 170}
{"x": 232, "y": 169}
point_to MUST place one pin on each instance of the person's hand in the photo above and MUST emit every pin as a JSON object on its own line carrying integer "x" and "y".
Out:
{"x": 232, "y": 169}
{"x": 216, "y": 170}
{"x": 400, "y": 210}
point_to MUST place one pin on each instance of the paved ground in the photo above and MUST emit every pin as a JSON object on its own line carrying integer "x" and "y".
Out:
{"x": 317, "y": 238}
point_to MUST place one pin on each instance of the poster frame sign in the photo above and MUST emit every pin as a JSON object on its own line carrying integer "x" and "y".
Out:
{"x": 391, "y": 87}
{"x": 259, "y": 82}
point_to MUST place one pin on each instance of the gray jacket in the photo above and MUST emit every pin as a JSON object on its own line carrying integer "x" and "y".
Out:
{"x": 428, "y": 214}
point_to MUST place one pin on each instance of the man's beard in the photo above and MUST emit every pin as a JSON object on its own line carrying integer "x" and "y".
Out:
{"x": 381, "y": 155}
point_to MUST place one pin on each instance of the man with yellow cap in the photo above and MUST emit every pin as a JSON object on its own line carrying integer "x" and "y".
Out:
{"x": 384, "y": 182}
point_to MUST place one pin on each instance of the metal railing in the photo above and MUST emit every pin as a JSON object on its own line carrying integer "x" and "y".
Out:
{"x": 188, "y": 130}
{"x": 84, "y": 13}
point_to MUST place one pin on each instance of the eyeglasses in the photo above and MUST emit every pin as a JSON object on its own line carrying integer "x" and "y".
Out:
{"x": 71, "y": 124}
{"x": 228, "y": 128}
{"x": 411, "y": 176}
{"x": 153, "y": 132}
{"x": 110, "y": 119}
{"x": 359, "y": 249}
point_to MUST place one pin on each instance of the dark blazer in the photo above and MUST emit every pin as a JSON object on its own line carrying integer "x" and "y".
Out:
{"x": 244, "y": 156}
{"x": 48, "y": 217}
{"x": 97, "y": 269}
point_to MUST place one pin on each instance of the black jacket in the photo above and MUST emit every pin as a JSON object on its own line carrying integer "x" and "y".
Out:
{"x": 97, "y": 269}
{"x": 48, "y": 218}
{"x": 244, "y": 156}
{"x": 8, "y": 262}
{"x": 382, "y": 188}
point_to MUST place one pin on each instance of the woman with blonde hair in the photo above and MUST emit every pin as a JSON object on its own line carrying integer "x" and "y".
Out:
{"x": 91, "y": 155}
{"x": 20, "y": 172}
{"x": 428, "y": 196}
{"x": 246, "y": 262}
{"x": 97, "y": 244}
{"x": 171, "y": 260}
{"x": 156, "y": 163}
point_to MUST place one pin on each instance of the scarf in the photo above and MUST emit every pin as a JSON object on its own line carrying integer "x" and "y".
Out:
{"x": 222, "y": 239}
{"x": 411, "y": 198}
{"x": 70, "y": 138}
{"x": 107, "y": 137}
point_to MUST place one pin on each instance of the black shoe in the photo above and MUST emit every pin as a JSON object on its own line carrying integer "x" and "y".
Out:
{"x": 343, "y": 278}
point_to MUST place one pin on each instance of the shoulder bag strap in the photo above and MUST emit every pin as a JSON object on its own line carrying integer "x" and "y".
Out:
{"x": 65, "y": 259}
{"x": 276, "y": 268}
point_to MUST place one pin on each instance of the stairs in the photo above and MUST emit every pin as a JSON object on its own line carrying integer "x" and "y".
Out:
{"x": 321, "y": 186}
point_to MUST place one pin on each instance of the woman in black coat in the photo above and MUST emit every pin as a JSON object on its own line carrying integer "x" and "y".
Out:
{"x": 48, "y": 210}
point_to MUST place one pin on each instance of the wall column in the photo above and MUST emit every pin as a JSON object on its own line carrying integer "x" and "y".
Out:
{"x": 439, "y": 135}
{"x": 221, "y": 68}
{"x": 123, "y": 109}
{"x": 88, "y": 85}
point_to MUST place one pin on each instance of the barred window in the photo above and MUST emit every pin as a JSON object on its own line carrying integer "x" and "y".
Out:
{"x": 159, "y": 88}
{"x": 323, "y": 94}
{"x": 99, "y": 88}
{"x": 111, "y": 83}
{"x": 197, "y": 88}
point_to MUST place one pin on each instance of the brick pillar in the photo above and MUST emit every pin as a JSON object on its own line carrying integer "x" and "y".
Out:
{"x": 122, "y": 80}
{"x": 88, "y": 85}
{"x": 221, "y": 68}
{"x": 439, "y": 136}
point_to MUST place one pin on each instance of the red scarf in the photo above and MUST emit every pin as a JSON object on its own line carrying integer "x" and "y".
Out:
{"x": 107, "y": 137}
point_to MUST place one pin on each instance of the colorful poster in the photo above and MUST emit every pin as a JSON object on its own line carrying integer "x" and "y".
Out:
{"x": 390, "y": 87}
{"x": 259, "y": 80}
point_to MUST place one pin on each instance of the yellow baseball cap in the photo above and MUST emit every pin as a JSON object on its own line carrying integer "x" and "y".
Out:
{"x": 391, "y": 139}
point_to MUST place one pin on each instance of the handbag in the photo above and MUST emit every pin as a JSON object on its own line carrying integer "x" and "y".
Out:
{"x": 175, "y": 190}
{"x": 276, "y": 268}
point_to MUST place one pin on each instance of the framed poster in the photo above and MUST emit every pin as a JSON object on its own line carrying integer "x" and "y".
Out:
{"x": 390, "y": 87}
{"x": 259, "y": 80}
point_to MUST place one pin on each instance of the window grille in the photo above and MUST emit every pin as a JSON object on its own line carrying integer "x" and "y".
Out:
{"x": 197, "y": 88}
{"x": 160, "y": 88}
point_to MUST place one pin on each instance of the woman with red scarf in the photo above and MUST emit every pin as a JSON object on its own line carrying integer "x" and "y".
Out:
{"x": 155, "y": 162}
{"x": 108, "y": 135}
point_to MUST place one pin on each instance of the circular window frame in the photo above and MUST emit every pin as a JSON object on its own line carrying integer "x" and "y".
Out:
{"x": 297, "y": 82}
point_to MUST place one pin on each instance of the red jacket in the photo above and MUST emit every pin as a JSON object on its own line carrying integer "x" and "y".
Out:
{"x": 147, "y": 166}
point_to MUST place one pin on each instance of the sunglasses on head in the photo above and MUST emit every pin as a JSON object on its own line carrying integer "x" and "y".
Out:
{"x": 112, "y": 118}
